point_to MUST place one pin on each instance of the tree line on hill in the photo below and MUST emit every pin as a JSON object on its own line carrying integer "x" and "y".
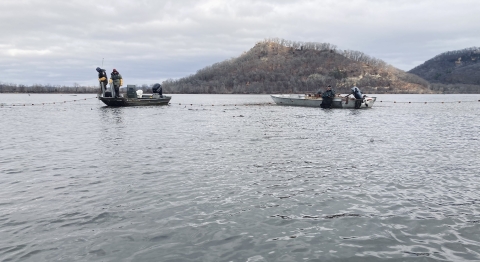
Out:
{"x": 282, "y": 66}
{"x": 453, "y": 71}
{"x": 37, "y": 88}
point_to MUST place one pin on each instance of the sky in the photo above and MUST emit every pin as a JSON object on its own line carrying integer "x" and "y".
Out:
{"x": 61, "y": 42}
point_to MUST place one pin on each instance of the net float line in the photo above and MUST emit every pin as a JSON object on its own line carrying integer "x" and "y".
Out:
{"x": 45, "y": 103}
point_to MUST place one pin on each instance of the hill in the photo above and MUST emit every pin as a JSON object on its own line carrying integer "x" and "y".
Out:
{"x": 453, "y": 71}
{"x": 281, "y": 66}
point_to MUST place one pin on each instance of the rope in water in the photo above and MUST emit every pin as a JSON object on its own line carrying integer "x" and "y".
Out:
{"x": 249, "y": 104}
{"x": 45, "y": 103}
{"x": 252, "y": 104}
{"x": 432, "y": 102}
{"x": 381, "y": 101}
{"x": 83, "y": 99}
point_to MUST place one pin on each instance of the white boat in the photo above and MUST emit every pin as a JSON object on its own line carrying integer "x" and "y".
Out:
{"x": 315, "y": 101}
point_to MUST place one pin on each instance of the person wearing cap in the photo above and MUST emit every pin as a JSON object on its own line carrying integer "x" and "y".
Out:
{"x": 102, "y": 78}
{"x": 327, "y": 98}
{"x": 117, "y": 81}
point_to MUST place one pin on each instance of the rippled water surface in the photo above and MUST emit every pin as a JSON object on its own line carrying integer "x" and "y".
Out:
{"x": 237, "y": 178}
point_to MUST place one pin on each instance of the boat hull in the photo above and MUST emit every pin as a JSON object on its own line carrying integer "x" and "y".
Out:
{"x": 123, "y": 101}
{"x": 305, "y": 101}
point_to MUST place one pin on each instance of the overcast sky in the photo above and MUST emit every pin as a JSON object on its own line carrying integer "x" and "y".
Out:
{"x": 61, "y": 42}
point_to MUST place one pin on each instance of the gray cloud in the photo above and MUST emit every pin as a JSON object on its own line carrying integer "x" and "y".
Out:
{"x": 62, "y": 42}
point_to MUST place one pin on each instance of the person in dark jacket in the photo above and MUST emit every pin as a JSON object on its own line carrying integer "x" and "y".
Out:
{"x": 358, "y": 96}
{"x": 117, "y": 81}
{"x": 157, "y": 88}
{"x": 327, "y": 98}
{"x": 357, "y": 93}
{"x": 102, "y": 78}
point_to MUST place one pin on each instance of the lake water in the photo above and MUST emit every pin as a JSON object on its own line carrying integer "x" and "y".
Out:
{"x": 238, "y": 178}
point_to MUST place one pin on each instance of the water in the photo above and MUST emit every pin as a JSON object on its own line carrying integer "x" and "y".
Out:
{"x": 237, "y": 178}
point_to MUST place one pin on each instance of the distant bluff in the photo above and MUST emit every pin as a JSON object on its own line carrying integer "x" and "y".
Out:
{"x": 453, "y": 71}
{"x": 282, "y": 66}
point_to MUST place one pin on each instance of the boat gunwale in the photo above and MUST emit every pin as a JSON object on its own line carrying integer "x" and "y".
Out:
{"x": 125, "y": 101}
{"x": 304, "y": 101}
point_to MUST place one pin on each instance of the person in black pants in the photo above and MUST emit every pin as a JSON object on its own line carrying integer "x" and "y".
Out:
{"x": 358, "y": 96}
{"x": 102, "y": 78}
{"x": 117, "y": 81}
{"x": 327, "y": 98}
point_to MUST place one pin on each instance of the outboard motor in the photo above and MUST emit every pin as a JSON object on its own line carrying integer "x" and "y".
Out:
{"x": 157, "y": 88}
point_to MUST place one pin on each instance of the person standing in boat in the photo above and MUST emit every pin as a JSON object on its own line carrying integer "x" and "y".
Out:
{"x": 358, "y": 96}
{"x": 102, "y": 78}
{"x": 327, "y": 98}
{"x": 117, "y": 81}
{"x": 356, "y": 92}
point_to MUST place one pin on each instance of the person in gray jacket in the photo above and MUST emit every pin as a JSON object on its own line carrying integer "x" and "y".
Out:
{"x": 117, "y": 81}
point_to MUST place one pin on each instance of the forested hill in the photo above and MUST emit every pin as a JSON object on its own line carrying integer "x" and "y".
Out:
{"x": 453, "y": 71}
{"x": 281, "y": 66}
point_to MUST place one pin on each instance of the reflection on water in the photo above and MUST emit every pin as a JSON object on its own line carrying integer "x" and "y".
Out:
{"x": 112, "y": 114}
{"x": 354, "y": 112}
{"x": 236, "y": 178}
